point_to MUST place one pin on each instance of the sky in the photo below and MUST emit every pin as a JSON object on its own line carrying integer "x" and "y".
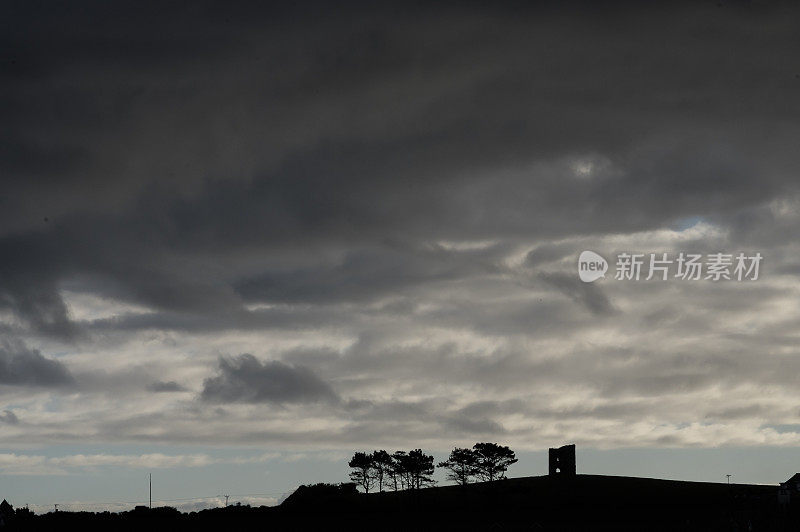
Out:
{"x": 239, "y": 242}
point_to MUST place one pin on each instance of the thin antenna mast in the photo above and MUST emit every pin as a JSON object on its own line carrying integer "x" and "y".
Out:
{"x": 151, "y": 491}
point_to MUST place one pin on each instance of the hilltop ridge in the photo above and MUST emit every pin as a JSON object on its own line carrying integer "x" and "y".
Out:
{"x": 582, "y": 502}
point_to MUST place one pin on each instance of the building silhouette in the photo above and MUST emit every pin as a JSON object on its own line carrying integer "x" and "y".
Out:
{"x": 562, "y": 461}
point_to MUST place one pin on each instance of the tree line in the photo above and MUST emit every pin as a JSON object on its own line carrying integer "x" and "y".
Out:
{"x": 414, "y": 469}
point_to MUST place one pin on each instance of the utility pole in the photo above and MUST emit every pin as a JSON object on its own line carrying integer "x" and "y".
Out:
{"x": 55, "y": 506}
{"x": 226, "y": 500}
{"x": 729, "y": 479}
{"x": 151, "y": 491}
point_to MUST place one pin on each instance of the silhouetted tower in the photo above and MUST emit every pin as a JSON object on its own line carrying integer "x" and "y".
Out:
{"x": 562, "y": 461}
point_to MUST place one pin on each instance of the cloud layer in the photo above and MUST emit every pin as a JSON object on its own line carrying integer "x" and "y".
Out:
{"x": 359, "y": 225}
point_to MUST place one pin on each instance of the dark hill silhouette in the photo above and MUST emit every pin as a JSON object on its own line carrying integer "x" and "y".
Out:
{"x": 583, "y": 502}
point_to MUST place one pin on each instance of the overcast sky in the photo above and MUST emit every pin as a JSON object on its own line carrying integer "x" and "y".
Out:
{"x": 240, "y": 237}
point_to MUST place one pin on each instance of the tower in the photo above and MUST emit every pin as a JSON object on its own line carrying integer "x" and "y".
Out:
{"x": 562, "y": 461}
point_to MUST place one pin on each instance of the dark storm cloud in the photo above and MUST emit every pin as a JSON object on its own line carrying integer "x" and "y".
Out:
{"x": 20, "y": 366}
{"x": 275, "y": 130}
{"x": 368, "y": 273}
{"x": 416, "y": 179}
{"x": 246, "y": 379}
{"x": 30, "y": 270}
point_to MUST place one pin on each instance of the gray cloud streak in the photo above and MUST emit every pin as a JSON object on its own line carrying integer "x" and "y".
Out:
{"x": 20, "y": 366}
{"x": 245, "y": 378}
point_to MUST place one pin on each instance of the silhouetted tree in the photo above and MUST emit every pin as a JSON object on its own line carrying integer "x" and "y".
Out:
{"x": 420, "y": 468}
{"x": 492, "y": 460}
{"x": 461, "y": 465}
{"x": 381, "y": 464}
{"x": 397, "y": 474}
{"x": 362, "y": 473}
{"x": 7, "y": 513}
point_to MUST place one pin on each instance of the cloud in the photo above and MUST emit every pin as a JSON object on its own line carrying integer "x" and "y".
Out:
{"x": 384, "y": 209}
{"x": 246, "y": 379}
{"x": 369, "y": 273}
{"x": 481, "y": 146}
{"x": 165, "y": 386}
{"x": 20, "y": 366}
{"x": 30, "y": 287}
{"x": 9, "y": 417}
{"x": 155, "y": 460}
{"x": 25, "y": 464}
{"x": 588, "y": 294}
{"x": 30, "y": 464}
